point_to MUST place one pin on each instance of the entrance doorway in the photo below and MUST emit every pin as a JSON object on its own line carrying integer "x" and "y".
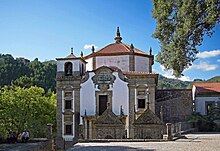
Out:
{"x": 103, "y": 99}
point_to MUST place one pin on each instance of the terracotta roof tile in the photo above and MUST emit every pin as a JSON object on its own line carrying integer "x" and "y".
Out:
{"x": 207, "y": 86}
{"x": 116, "y": 49}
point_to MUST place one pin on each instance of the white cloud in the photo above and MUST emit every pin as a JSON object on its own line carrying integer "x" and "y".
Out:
{"x": 208, "y": 54}
{"x": 205, "y": 66}
{"x": 89, "y": 46}
{"x": 218, "y": 60}
{"x": 169, "y": 74}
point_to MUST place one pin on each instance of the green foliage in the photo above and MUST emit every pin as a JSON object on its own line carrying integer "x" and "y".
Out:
{"x": 26, "y": 108}
{"x": 181, "y": 25}
{"x": 205, "y": 122}
{"x": 11, "y": 69}
{"x": 166, "y": 83}
{"x": 214, "y": 79}
{"x": 24, "y": 73}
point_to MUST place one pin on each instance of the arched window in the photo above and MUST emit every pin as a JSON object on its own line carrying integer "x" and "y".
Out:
{"x": 68, "y": 68}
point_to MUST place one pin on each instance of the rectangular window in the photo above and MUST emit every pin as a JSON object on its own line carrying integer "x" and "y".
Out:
{"x": 68, "y": 129}
{"x": 68, "y": 104}
{"x": 141, "y": 103}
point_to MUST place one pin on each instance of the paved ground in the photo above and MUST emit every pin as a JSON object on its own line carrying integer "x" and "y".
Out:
{"x": 17, "y": 146}
{"x": 192, "y": 142}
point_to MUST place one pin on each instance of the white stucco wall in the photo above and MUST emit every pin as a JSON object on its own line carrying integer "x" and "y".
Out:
{"x": 141, "y": 64}
{"x": 119, "y": 96}
{"x": 122, "y": 62}
{"x": 60, "y": 65}
{"x": 87, "y": 96}
{"x": 89, "y": 64}
{"x": 200, "y": 103}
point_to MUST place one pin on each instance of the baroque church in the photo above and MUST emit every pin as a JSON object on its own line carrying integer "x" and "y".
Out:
{"x": 108, "y": 94}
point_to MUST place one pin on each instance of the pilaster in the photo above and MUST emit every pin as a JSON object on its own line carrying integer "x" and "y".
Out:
{"x": 131, "y": 89}
{"x": 59, "y": 137}
{"x": 131, "y": 62}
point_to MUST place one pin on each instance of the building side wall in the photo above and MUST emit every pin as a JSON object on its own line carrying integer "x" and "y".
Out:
{"x": 141, "y": 64}
{"x": 201, "y": 103}
{"x": 122, "y": 62}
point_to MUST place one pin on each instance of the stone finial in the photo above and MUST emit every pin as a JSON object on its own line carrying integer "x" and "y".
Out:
{"x": 118, "y": 36}
{"x": 81, "y": 54}
{"x": 72, "y": 51}
{"x": 121, "y": 111}
{"x": 150, "y": 51}
{"x": 93, "y": 49}
{"x": 132, "y": 48}
{"x": 85, "y": 114}
{"x": 148, "y": 105}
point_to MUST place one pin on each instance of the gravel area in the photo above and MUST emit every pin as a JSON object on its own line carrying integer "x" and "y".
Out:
{"x": 192, "y": 142}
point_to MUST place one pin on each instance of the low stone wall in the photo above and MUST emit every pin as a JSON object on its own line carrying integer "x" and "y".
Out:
{"x": 43, "y": 146}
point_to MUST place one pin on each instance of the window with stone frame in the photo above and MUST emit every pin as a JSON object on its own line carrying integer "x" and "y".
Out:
{"x": 68, "y": 129}
{"x": 68, "y": 104}
{"x": 141, "y": 103}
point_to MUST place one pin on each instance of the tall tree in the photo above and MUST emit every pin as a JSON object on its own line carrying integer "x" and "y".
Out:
{"x": 181, "y": 25}
{"x": 26, "y": 108}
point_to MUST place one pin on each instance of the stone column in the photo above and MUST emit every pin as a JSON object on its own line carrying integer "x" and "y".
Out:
{"x": 90, "y": 129}
{"x": 59, "y": 137}
{"x": 131, "y": 89}
{"x": 169, "y": 132}
{"x": 49, "y": 131}
{"x": 76, "y": 113}
{"x": 86, "y": 129}
{"x": 49, "y": 135}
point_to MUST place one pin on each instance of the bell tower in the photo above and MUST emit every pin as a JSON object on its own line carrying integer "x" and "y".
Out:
{"x": 68, "y": 79}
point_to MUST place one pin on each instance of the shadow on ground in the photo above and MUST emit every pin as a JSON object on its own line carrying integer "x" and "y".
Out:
{"x": 105, "y": 148}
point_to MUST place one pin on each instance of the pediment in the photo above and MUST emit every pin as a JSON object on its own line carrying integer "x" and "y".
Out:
{"x": 108, "y": 117}
{"x": 148, "y": 117}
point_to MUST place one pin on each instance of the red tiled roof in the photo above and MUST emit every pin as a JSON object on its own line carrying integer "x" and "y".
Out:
{"x": 116, "y": 49}
{"x": 207, "y": 86}
{"x": 71, "y": 57}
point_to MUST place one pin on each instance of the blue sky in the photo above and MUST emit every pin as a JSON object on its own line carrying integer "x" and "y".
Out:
{"x": 47, "y": 29}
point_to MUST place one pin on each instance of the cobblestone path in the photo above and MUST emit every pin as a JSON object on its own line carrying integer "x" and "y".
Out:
{"x": 192, "y": 142}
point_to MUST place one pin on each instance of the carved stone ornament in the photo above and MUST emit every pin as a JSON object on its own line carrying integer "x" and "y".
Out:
{"x": 103, "y": 78}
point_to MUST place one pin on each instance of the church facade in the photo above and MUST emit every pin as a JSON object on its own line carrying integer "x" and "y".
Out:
{"x": 108, "y": 94}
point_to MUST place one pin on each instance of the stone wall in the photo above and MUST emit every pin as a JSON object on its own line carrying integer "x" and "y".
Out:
{"x": 110, "y": 132}
{"x": 176, "y": 104}
{"x": 150, "y": 131}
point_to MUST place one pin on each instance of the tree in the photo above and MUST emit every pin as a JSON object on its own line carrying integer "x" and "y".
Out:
{"x": 181, "y": 25}
{"x": 26, "y": 108}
